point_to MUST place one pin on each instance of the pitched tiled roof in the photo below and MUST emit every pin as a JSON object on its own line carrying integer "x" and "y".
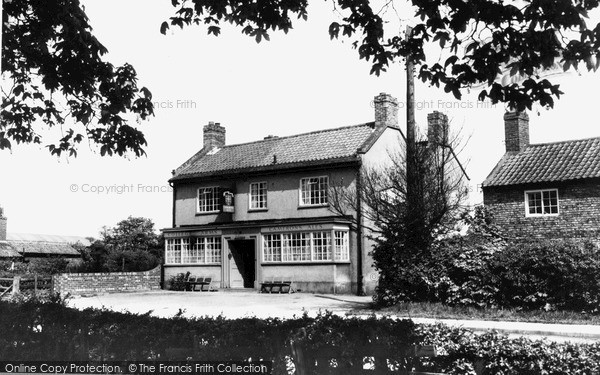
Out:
{"x": 44, "y": 248}
{"x": 315, "y": 148}
{"x": 548, "y": 162}
{"x": 19, "y": 244}
{"x": 47, "y": 238}
{"x": 7, "y": 251}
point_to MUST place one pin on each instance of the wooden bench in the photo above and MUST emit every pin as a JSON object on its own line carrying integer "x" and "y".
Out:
{"x": 279, "y": 285}
{"x": 202, "y": 282}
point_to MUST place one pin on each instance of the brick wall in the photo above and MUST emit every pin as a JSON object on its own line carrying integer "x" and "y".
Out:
{"x": 90, "y": 283}
{"x": 579, "y": 211}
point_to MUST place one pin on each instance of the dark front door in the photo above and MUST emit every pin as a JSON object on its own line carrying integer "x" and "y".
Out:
{"x": 242, "y": 263}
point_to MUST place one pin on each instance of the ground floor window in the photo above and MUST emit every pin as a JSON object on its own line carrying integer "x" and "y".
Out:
{"x": 541, "y": 202}
{"x": 199, "y": 250}
{"x": 341, "y": 245}
{"x": 306, "y": 246}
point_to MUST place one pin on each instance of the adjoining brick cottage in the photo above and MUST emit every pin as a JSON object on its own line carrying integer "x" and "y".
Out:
{"x": 547, "y": 190}
{"x": 258, "y": 211}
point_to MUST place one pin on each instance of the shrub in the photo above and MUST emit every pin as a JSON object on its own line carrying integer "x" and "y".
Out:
{"x": 550, "y": 275}
{"x": 463, "y": 352}
{"x": 177, "y": 282}
{"x": 49, "y": 330}
{"x": 483, "y": 270}
{"x": 35, "y": 266}
{"x": 558, "y": 275}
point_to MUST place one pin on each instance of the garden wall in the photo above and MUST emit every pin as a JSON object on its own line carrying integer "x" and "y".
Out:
{"x": 90, "y": 283}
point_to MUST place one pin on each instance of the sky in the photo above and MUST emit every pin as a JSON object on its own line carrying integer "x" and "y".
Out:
{"x": 295, "y": 83}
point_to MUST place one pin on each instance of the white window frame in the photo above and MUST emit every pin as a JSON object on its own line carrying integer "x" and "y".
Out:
{"x": 541, "y": 191}
{"x": 283, "y": 252}
{"x": 203, "y": 209}
{"x": 193, "y": 250}
{"x": 341, "y": 245}
{"x": 258, "y": 184}
{"x": 324, "y": 193}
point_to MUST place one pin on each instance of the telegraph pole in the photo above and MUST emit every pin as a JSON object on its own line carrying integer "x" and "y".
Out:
{"x": 410, "y": 132}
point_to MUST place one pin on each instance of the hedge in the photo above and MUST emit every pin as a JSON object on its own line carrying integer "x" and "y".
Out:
{"x": 539, "y": 274}
{"x": 36, "y": 330}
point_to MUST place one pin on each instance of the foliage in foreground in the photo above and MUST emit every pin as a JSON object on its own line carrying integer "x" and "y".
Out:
{"x": 54, "y": 74}
{"x": 48, "y": 330}
{"x": 457, "y": 44}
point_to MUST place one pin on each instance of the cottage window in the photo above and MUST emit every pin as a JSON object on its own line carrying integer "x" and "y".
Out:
{"x": 201, "y": 250}
{"x": 306, "y": 246}
{"x": 208, "y": 199}
{"x": 313, "y": 191}
{"x": 541, "y": 202}
{"x": 258, "y": 195}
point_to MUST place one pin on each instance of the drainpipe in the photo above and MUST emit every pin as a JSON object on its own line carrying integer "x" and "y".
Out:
{"x": 172, "y": 185}
{"x": 162, "y": 265}
{"x": 359, "y": 236}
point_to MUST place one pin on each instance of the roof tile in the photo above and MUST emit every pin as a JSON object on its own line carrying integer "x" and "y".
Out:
{"x": 319, "y": 147}
{"x": 548, "y": 162}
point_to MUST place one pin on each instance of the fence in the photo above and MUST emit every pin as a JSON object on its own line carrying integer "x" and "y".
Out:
{"x": 14, "y": 285}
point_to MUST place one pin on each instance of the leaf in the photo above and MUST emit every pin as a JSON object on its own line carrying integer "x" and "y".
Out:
{"x": 147, "y": 93}
{"x": 164, "y": 27}
{"x": 4, "y": 144}
{"x": 334, "y": 30}
{"x": 215, "y": 30}
{"x": 18, "y": 90}
{"x": 451, "y": 61}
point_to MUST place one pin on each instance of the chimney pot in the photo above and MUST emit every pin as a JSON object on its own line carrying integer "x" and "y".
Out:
{"x": 437, "y": 129}
{"x": 386, "y": 110}
{"x": 214, "y": 135}
{"x": 516, "y": 131}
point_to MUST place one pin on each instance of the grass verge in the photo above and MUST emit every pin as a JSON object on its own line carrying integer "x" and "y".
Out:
{"x": 440, "y": 311}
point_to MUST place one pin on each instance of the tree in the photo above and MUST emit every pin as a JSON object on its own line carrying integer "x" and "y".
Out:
{"x": 132, "y": 245}
{"x": 478, "y": 39}
{"x": 404, "y": 233}
{"x": 53, "y": 73}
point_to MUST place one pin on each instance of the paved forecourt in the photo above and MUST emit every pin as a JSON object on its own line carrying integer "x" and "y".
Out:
{"x": 247, "y": 303}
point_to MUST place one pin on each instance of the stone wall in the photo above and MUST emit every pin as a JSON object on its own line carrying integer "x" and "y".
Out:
{"x": 91, "y": 283}
{"x": 579, "y": 211}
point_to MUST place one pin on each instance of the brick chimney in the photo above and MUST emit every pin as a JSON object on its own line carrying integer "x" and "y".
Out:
{"x": 3, "y": 221}
{"x": 214, "y": 135}
{"x": 437, "y": 128}
{"x": 516, "y": 131}
{"x": 386, "y": 110}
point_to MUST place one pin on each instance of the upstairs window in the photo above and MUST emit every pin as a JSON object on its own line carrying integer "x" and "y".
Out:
{"x": 258, "y": 195}
{"x": 541, "y": 202}
{"x": 208, "y": 199}
{"x": 313, "y": 191}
